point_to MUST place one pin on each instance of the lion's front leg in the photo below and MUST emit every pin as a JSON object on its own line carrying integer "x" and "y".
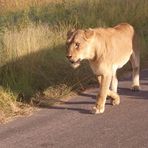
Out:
{"x": 104, "y": 89}
{"x": 115, "y": 98}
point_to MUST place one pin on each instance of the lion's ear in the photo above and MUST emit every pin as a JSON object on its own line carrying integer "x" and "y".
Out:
{"x": 88, "y": 33}
{"x": 70, "y": 33}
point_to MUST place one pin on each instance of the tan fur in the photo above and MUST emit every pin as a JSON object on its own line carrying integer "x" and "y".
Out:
{"x": 107, "y": 50}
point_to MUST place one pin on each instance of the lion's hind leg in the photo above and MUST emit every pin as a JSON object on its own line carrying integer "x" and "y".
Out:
{"x": 135, "y": 62}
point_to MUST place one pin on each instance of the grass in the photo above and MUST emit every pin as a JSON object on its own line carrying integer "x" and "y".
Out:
{"x": 9, "y": 108}
{"x": 13, "y": 5}
{"x": 32, "y": 44}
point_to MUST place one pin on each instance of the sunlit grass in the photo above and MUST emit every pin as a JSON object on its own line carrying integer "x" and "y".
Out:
{"x": 26, "y": 41}
{"x": 13, "y": 5}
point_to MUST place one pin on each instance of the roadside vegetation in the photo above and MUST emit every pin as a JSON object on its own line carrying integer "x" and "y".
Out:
{"x": 32, "y": 46}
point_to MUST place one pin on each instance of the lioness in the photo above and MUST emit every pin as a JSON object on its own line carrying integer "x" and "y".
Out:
{"x": 107, "y": 50}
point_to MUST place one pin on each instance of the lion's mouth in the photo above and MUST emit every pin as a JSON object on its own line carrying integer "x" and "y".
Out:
{"x": 75, "y": 64}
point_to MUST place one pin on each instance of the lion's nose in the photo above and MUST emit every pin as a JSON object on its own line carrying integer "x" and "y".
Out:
{"x": 69, "y": 56}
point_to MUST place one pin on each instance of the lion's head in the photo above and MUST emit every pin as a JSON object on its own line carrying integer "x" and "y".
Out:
{"x": 79, "y": 46}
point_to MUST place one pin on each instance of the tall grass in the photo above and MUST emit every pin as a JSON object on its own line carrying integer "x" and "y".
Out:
{"x": 13, "y": 5}
{"x": 26, "y": 41}
{"x": 10, "y": 108}
{"x": 32, "y": 38}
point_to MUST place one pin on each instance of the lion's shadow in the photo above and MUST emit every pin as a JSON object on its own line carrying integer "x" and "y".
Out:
{"x": 78, "y": 105}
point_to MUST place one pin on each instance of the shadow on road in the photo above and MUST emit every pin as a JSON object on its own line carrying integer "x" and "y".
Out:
{"x": 80, "y": 110}
{"x": 88, "y": 98}
{"x": 142, "y": 94}
{"x": 73, "y": 106}
{"x": 88, "y": 95}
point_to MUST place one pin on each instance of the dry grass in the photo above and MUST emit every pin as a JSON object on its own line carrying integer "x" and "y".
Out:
{"x": 26, "y": 41}
{"x": 9, "y": 108}
{"x": 13, "y": 5}
{"x": 33, "y": 60}
{"x": 18, "y": 69}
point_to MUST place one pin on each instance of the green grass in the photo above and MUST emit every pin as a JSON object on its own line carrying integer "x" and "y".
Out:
{"x": 32, "y": 44}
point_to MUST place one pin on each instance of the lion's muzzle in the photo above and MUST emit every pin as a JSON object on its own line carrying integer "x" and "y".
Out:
{"x": 74, "y": 63}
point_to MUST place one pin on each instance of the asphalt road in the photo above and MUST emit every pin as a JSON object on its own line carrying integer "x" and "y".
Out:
{"x": 71, "y": 125}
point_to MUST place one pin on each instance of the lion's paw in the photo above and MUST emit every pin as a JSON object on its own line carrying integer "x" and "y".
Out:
{"x": 98, "y": 110}
{"x": 115, "y": 102}
{"x": 136, "y": 88}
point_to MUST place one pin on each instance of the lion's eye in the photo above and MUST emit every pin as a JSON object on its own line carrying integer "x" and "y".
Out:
{"x": 77, "y": 45}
